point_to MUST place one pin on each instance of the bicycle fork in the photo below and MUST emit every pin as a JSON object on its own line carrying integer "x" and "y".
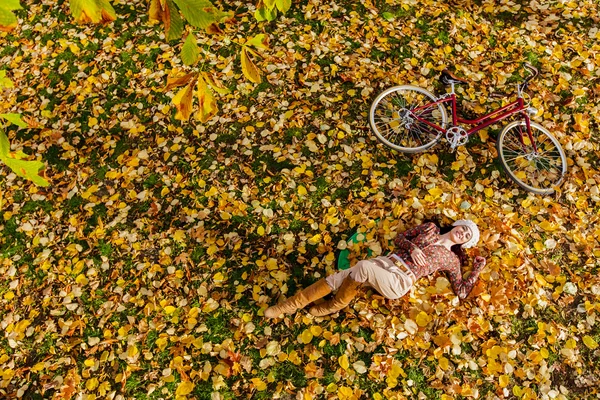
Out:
{"x": 529, "y": 134}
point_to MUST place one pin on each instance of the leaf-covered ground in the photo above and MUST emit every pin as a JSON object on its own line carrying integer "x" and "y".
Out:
{"x": 143, "y": 271}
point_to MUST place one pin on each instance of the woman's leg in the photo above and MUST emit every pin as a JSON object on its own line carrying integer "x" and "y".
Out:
{"x": 372, "y": 272}
{"x": 300, "y": 300}
{"x": 377, "y": 273}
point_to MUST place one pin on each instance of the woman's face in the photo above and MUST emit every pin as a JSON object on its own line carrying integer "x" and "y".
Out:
{"x": 461, "y": 234}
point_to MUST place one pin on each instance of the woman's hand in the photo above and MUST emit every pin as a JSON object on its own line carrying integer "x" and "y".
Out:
{"x": 479, "y": 262}
{"x": 419, "y": 257}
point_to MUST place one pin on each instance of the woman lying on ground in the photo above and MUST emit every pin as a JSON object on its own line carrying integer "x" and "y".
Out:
{"x": 419, "y": 252}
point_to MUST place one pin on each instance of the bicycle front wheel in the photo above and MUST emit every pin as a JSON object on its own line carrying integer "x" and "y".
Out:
{"x": 393, "y": 118}
{"x": 538, "y": 171}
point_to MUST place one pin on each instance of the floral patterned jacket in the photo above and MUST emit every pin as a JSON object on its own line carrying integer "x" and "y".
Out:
{"x": 440, "y": 258}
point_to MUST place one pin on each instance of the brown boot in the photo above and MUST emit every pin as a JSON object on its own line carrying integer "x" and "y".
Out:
{"x": 315, "y": 291}
{"x": 344, "y": 295}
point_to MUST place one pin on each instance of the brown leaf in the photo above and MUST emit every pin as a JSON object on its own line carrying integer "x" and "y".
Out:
{"x": 177, "y": 81}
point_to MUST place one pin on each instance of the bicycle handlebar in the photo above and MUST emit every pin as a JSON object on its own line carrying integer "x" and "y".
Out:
{"x": 532, "y": 70}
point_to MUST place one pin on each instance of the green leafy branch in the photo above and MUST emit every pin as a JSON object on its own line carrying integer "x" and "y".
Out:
{"x": 266, "y": 10}
{"x": 16, "y": 160}
{"x": 8, "y": 20}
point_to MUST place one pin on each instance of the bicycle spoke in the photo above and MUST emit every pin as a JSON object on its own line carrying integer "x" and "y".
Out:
{"x": 400, "y": 118}
{"x": 418, "y": 136}
{"x": 513, "y": 158}
{"x": 536, "y": 168}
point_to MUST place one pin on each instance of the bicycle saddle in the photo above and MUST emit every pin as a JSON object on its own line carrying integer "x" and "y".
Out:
{"x": 448, "y": 78}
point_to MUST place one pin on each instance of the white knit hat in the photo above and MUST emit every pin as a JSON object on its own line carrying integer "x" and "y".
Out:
{"x": 474, "y": 232}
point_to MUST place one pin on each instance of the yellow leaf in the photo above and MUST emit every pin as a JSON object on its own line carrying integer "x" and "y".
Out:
{"x": 548, "y": 226}
{"x": 8, "y": 22}
{"x": 345, "y": 393}
{"x": 184, "y": 388}
{"x": 306, "y": 336}
{"x": 436, "y": 191}
{"x": 89, "y": 362}
{"x": 259, "y": 41}
{"x": 94, "y": 11}
{"x": 302, "y": 190}
{"x": 215, "y": 84}
{"x": 423, "y": 319}
{"x": 249, "y": 69}
{"x": 132, "y": 351}
{"x": 443, "y": 362}
{"x": 207, "y": 103}
{"x": 218, "y": 277}
{"x": 503, "y": 380}
{"x": 213, "y": 191}
{"x": 179, "y": 235}
{"x": 259, "y": 384}
{"x": 271, "y": 264}
{"x": 316, "y": 330}
{"x": 590, "y": 342}
{"x": 178, "y": 80}
{"x": 183, "y": 102}
{"x": 581, "y": 123}
{"x": 315, "y": 239}
{"x": 81, "y": 279}
{"x": 344, "y": 363}
{"x": 39, "y": 367}
{"x": 170, "y": 309}
{"x": 161, "y": 343}
{"x": 483, "y": 135}
{"x": 489, "y": 192}
{"x": 260, "y": 231}
{"x": 91, "y": 384}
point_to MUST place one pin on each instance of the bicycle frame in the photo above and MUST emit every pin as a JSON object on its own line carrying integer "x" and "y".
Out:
{"x": 517, "y": 106}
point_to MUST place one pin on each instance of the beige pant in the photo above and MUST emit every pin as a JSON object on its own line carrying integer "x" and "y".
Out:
{"x": 381, "y": 273}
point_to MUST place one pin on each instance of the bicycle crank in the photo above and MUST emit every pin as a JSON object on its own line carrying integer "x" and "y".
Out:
{"x": 456, "y": 136}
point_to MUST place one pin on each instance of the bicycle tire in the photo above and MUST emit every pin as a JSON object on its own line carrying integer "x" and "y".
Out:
{"x": 389, "y": 122}
{"x": 521, "y": 162}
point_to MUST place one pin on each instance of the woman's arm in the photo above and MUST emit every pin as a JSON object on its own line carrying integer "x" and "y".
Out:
{"x": 403, "y": 240}
{"x": 462, "y": 287}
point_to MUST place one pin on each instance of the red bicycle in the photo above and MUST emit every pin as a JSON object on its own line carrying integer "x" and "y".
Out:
{"x": 410, "y": 119}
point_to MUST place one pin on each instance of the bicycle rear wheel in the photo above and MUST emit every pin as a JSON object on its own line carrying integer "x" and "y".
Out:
{"x": 535, "y": 171}
{"x": 392, "y": 118}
